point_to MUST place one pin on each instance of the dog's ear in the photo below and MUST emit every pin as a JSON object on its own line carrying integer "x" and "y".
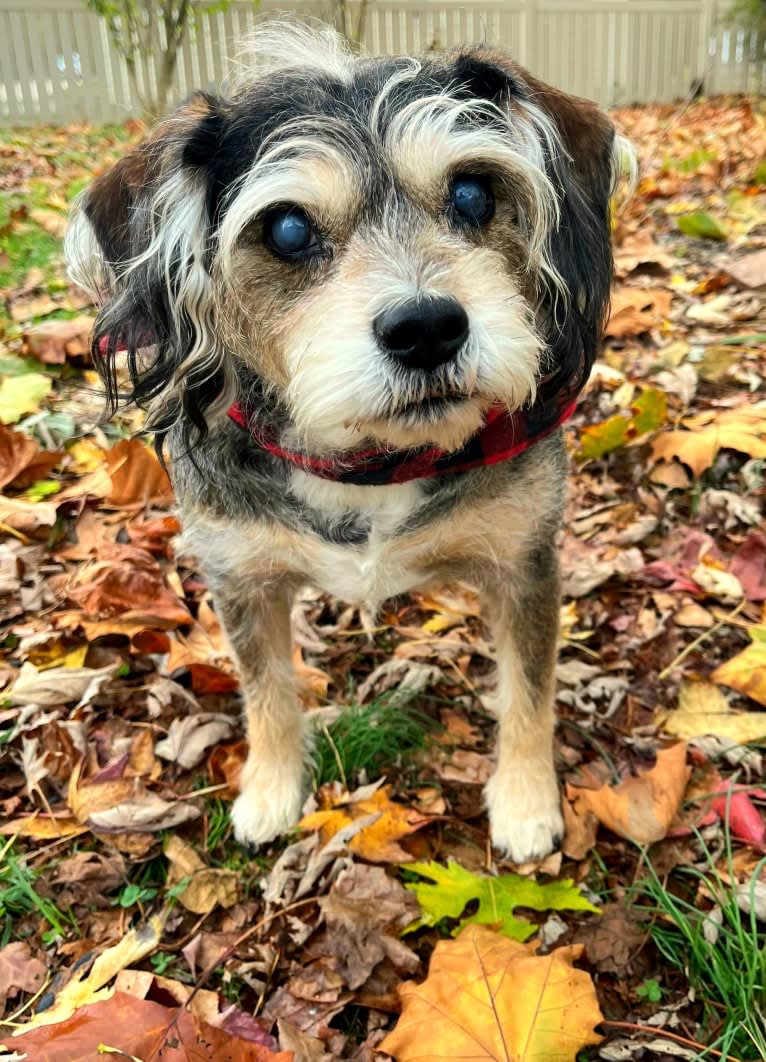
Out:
{"x": 581, "y": 244}
{"x": 580, "y": 160}
{"x": 139, "y": 241}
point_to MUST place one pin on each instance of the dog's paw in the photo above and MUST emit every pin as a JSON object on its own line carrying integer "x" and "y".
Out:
{"x": 525, "y": 819}
{"x": 269, "y": 804}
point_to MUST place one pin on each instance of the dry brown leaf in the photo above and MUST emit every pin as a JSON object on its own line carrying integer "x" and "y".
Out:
{"x": 52, "y": 341}
{"x": 377, "y": 841}
{"x": 699, "y": 441}
{"x": 16, "y": 452}
{"x": 138, "y": 479}
{"x": 25, "y": 516}
{"x": 640, "y": 808}
{"x": 20, "y": 971}
{"x": 127, "y": 584}
{"x": 634, "y": 311}
{"x": 208, "y": 888}
{"x": 492, "y": 999}
{"x": 57, "y": 685}
{"x": 190, "y": 736}
{"x": 365, "y": 912}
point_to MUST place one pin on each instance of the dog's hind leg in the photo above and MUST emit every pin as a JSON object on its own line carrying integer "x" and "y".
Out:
{"x": 257, "y": 621}
{"x": 522, "y": 796}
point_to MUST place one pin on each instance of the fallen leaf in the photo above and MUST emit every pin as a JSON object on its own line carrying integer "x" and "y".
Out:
{"x": 454, "y": 888}
{"x": 490, "y": 998}
{"x": 649, "y": 412}
{"x": 58, "y": 685}
{"x": 208, "y": 888}
{"x": 22, "y": 394}
{"x": 137, "y": 477}
{"x": 702, "y": 226}
{"x": 89, "y": 987}
{"x": 132, "y": 1028}
{"x": 634, "y": 311}
{"x": 16, "y": 452}
{"x": 703, "y": 709}
{"x": 742, "y": 429}
{"x": 749, "y": 271}
{"x": 749, "y": 566}
{"x": 364, "y": 913}
{"x": 20, "y": 971}
{"x": 640, "y": 808}
{"x": 746, "y": 672}
{"x": 52, "y": 341}
{"x": 377, "y": 841}
{"x": 190, "y": 736}
{"x": 736, "y": 808}
{"x": 26, "y": 516}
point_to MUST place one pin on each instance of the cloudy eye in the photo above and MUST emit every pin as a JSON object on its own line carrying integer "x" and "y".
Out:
{"x": 472, "y": 201}
{"x": 289, "y": 232}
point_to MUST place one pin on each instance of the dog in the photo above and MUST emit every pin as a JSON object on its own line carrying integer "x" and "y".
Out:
{"x": 358, "y": 297}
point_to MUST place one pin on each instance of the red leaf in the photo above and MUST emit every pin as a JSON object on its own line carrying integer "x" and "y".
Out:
{"x": 745, "y": 821}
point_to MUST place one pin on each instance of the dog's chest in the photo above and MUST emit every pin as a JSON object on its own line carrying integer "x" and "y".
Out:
{"x": 383, "y": 562}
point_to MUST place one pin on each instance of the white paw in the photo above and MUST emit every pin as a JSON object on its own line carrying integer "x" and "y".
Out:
{"x": 269, "y": 804}
{"x": 525, "y": 820}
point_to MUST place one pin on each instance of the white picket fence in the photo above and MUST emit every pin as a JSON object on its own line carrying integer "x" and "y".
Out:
{"x": 57, "y": 64}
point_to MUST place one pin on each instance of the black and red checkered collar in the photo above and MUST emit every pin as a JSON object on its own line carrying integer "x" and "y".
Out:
{"x": 504, "y": 435}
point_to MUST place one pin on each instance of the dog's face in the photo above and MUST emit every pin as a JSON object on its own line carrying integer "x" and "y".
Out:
{"x": 389, "y": 246}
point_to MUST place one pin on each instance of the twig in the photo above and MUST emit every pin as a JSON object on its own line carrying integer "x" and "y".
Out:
{"x": 650, "y": 1030}
{"x": 699, "y": 640}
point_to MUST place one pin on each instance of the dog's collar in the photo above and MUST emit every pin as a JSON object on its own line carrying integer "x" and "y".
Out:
{"x": 504, "y": 435}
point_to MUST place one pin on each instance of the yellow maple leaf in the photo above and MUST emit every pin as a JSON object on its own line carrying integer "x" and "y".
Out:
{"x": 492, "y": 999}
{"x": 698, "y": 441}
{"x": 703, "y": 709}
{"x": 376, "y": 841}
{"x": 746, "y": 672}
{"x": 82, "y": 990}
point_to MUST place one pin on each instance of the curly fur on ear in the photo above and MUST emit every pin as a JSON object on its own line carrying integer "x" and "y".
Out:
{"x": 139, "y": 241}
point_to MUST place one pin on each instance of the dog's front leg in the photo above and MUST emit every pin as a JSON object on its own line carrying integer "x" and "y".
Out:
{"x": 522, "y": 795}
{"x": 257, "y": 622}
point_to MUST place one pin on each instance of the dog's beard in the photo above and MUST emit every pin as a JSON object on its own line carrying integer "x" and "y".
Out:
{"x": 343, "y": 389}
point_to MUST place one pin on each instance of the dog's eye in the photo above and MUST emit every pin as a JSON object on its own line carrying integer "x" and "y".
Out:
{"x": 472, "y": 201}
{"x": 289, "y": 232}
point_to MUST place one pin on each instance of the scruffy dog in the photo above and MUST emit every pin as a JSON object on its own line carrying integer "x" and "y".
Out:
{"x": 358, "y": 297}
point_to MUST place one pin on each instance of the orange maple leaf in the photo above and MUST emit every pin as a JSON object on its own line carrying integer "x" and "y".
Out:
{"x": 490, "y": 998}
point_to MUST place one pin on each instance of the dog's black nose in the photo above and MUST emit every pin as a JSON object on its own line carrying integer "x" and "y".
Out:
{"x": 422, "y": 333}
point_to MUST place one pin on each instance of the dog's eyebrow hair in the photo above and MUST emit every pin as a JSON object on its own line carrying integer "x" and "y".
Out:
{"x": 303, "y": 169}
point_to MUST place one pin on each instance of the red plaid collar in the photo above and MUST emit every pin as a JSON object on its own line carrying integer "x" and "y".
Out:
{"x": 503, "y": 436}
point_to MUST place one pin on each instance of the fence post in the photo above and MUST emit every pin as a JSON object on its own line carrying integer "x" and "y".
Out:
{"x": 705, "y": 68}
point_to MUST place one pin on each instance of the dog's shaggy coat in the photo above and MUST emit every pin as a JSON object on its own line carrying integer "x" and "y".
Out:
{"x": 248, "y": 251}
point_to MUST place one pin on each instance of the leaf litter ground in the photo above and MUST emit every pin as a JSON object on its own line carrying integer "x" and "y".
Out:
{"x": 128, "y": 914}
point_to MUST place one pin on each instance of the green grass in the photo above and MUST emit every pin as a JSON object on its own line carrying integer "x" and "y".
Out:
{"x": 19, "y": 899}
{"x": 370, "y": 739}
{"x": 725, "y": 964}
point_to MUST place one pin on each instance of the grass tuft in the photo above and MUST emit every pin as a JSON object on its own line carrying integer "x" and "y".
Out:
{"x": 370, "y": 739}
{"x": 722, "y": 952}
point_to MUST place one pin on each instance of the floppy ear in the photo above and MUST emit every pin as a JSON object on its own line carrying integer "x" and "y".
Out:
{"x": 138, "y": 240}
{"x": 578, "y": 145}
{"x": 580, "y": 245}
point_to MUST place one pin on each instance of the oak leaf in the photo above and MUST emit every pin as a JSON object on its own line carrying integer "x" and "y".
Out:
{"x": 700, "y": 438}
{"x": 492, "y": 999}
{"x": 454, "y": 888}
{"x": 640, "y": 808}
